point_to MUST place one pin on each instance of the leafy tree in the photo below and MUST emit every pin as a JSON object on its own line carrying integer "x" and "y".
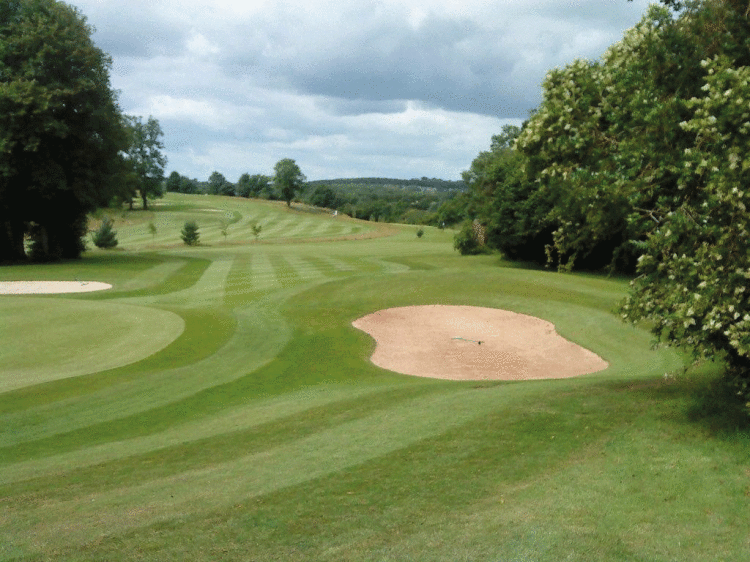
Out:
{"x": 324, "y": 196}
{"x": 188, "y": 186}
{"x": 288, "y": 179}
{"x": 466, "y": 240}
{"x": 173, "y": 183}
{"x": 105, "y": 237}
{"x": 253, "y": 186}
{"x": 219, "y": 185}
{"x": 190, "y": 234}
{"x": 513, "y": 210}
{"x": 646, "y": 152}
{"x": 61, "y": 132}
{"x": 145, "y": 157}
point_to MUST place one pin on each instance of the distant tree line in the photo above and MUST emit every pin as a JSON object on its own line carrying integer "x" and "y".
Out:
{"x": 375, "y": 199}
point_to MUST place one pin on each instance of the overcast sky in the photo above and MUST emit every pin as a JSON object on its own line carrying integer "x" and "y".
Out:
{"x": 347, "y": 88}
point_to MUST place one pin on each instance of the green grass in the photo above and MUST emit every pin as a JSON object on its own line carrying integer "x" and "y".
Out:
{"x": 217, "y": 404}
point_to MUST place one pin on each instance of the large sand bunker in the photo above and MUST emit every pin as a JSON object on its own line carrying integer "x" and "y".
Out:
{"x": 50, "y": 287}
{"x": 444, "y": 342}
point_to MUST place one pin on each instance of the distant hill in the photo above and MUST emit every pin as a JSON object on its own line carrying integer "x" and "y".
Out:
{"x": 416, "y": 183}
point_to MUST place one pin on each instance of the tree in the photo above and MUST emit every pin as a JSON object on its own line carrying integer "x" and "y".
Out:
{"x": 647, "y": 150}
{"x": 513, "y": 210}
{"x": 105, "y": 237}
{"x": 288, "y": 179}
{"x": 173, "y": 183}
{"x": 145, "y": 157}
{"x": 253, "y": 186}
{"x": 189, "y": 234}
{"x": 218, "y": 185}
{"x": 61, "y": 132}
{"x": 188, "y": 185}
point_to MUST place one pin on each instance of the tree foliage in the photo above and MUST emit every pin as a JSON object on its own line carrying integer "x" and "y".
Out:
{"x": 288, "y": 179}
{"x": 219, "y": 185}
{"x": 61, "y": 132}
{"x": 190, "y": 234}
{"x": 255, "y": 186}
{"x": 145, "y": 157}
{"x": 105, "y": 237}
{"x": 640, "y": 160}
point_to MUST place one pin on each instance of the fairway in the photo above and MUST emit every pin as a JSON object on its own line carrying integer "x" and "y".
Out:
{"x": 218, "y": 404}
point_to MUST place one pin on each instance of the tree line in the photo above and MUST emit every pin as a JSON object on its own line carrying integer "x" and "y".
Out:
{"x": 638, "y": 162}
{"x": 414, "y": 201}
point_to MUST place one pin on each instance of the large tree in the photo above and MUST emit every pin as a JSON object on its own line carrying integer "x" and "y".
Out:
{"x": 645, "y": 152}
{"x": 145, "y": 157}
{"x": 288, "y": 178}
{"x": 61, "y": 132}
{"x": 219, "y": 185}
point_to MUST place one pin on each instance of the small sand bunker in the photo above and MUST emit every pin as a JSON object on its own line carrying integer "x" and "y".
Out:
{"x": 50, "y": 287}
{"x": 444, "y": 342}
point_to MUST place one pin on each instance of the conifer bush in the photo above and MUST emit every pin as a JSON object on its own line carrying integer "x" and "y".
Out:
{"x": 190, "y": 233}
{"x": 105, "y": 237}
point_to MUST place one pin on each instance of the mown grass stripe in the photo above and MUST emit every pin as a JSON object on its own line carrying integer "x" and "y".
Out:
{"x": 262, "y": 272}
{"x": 219, "y": 448}
{"x": 205, "y": 332}
{"x": 286, "y": 275}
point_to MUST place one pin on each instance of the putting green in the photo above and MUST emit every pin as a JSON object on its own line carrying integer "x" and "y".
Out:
{"x": 48, "y": 339}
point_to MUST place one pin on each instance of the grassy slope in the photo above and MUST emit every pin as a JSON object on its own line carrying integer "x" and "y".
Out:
{"x": 262, "y": 431}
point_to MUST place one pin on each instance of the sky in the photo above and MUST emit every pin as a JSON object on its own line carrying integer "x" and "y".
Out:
{"x": 347, "y": 88}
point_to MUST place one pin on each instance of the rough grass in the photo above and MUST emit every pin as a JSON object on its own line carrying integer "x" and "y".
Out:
{"x": 262, "y": 432}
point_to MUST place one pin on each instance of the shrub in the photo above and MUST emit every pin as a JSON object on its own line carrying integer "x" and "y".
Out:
{"x": 467, "y": 242}
{"x": 190, "y": 233}
{"x": 105, "y": 237}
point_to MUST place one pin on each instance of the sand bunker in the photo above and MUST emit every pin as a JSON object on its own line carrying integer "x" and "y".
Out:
{"x": 50, "y": 287}
{"x": 444, "y": 342}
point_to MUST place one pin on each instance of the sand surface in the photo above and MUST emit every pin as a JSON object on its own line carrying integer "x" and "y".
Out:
{"x": 50, "y": 287}
{"x": 443, "y": 342}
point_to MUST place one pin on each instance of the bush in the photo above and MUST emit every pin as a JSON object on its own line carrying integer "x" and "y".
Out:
{"x": 420, "y": 232}
{"x": 466, "y": 241}
{"x": 190, "y": 233}
{"x": 105, "y": 237}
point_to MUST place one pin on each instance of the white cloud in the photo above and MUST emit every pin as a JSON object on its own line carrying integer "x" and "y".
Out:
{"x": 403, "y": 88}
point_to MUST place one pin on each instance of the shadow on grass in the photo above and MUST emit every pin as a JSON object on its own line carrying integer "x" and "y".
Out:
{"x": 716, "y": 406}
{"x": 702, "y": 396}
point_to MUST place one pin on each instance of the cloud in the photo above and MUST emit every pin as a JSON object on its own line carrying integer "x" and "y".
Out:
{"x": 404, "y": 88}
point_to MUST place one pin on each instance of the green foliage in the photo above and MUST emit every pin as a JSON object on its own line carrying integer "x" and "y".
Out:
{"x": 219, "y": 185}
{"x": 693, "y": 274}
{"x": 256, "y": 228}
{"x": 189, "y": 234}
{"x": 145, "y": 157}
{"x": 513, "y": 210}
{"x": 466, "y": 241}
{"x": 642, "y": 160}
{"x": 258, "y": 186}
{"x": 288, "y": 179}
{"x": 152, "y": 229}
{"x": 105, "y": 237}
{"x": 420, "y": 232}
{"x": 61, "y": 132}
{"x": 385, "y": 200}
{"x": 173, "y": 182}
